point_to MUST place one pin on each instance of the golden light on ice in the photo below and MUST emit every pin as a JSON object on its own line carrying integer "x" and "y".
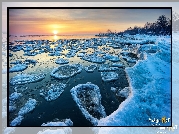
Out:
{"x": 55, "y": 32}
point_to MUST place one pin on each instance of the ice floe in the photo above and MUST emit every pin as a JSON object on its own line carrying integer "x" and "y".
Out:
{"x": 117, "y": 65}
{"x": 53, "y": 92}
{"x": 109, "y": 76}
{"x": 62, "y": 61}
{"x": 26, "y": 78}
{"x": 106, "y": 67}
{"x": 28, "y": 107}
{"x": 113, "y": 89}
{"x": 30, "y": 61}
{"x": 17, "y": 68}
{"x": 88, "y": 98}
{"x": 16, "y": 62}
{"x": 14, "y": 96}
{"x": 93, "y": 58}
{"x": 17, "y": 121}
{"x": 67, "y": 122}
{"x": 66, "y": 71}
{"x": 114, "y": 58}
{"x": 90, "y": 68}
{"x": 80, "y": 54}
{"x": 12, "y": 108}
{"x": 124, "y": 92}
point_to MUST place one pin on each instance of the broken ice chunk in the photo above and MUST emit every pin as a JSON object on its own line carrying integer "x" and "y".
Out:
{"x": 114, "y": 59}
{"x": 28, "y": 107}
{"x": 88, "y": 98}
{"x": 113, "y": 89}
{"x": 66, "y": 71}
{"x": 117, "y": 65}
{"x": 30, "y": 61}
{"x": 124, "y": 92}
{"x": 62, "y": 61}
{"x": 17, "y": 68}
{"x": 16, "y": 62}
{"x": 14, "y": 96}
{"x": 106, "y": 67}
{"x": 93, "y": 58}
{"x": 109, "y": 76}
{"x": 80, "y": 54}
{"x": 131, "y": 60}
{"x": 67, "y": 122}
{"x": 26, "y": 78}
{"x": 90, "y": 68}
{"x": 54, "y": 91}
{"x": 10, "y": 55}
{"x": 17, "y": 121}
{"x": 12, "y": 108}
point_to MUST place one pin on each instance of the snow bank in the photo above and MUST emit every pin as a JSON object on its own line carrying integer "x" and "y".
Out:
{"x": 150, "y": 97}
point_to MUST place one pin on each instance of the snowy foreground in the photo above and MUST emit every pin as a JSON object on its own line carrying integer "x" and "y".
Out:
{"x": 150, "y": 81}
{"x": 175, "y": 103}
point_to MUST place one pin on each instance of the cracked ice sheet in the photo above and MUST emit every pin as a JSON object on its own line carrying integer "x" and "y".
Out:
{"x": 146, "y": 81}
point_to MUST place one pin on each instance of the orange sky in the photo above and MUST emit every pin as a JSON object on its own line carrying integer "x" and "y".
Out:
{"x": 79, "y": 21}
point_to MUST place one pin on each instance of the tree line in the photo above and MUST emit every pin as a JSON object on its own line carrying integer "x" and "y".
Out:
{"x": 162, "y": 26}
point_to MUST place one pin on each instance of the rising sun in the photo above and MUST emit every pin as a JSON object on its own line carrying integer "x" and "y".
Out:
{"x": 55, "y": 32}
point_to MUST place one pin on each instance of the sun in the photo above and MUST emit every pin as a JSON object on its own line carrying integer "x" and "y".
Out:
{"x": 55, "y": 32}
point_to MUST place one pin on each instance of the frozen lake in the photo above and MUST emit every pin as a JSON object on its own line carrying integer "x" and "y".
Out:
{"x": 46, "y": 68}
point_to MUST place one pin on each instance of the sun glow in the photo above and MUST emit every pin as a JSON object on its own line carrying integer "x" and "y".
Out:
{"x": 55, "y": 32}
